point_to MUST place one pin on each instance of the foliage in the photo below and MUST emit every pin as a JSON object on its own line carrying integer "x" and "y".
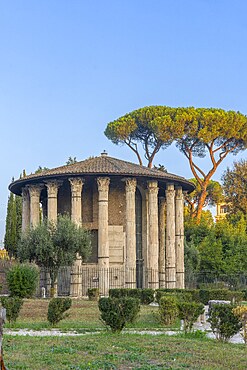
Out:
{"x": 148, "y": 126}
{"x": 198, "y": 132}
{"x": 22, "y": 280}
{"x": 117, "y": 312}
{"x": 235, "y": 187}
{"x": 93, "y": 294}
{"x": 52, "y": 245}
{"x": 189, "y": 313}
{"x": 168, "y": 310}
{"x": 223, "y": 322}
{"x": 241, "y": 313}
{"x": 146, "y": 295}
{"x": 13, "y": 306}
{"x": 41, "y": 169}
{"x": 180, "y": 294}
{"x": 13, "y": 224}
{"x": 222, "y": 246}
{"x": 71, "y": 160}
{"x": 220, "y": 294}
{"x": 214, "y": 195}
{"x": 57, "y": 308}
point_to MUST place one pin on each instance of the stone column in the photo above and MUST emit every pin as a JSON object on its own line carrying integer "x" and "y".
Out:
{"x": 162, "y": 266}
{"x": 103, "y": 240}
{"x": 130, "y": 262}
{"x": 179, "y": 238}
{"x": 76, "y": 184}
{"x": 25, "y": 209}
{"x": 34, "y": 193}
{"x": 153, "y": 235}
{"x": 52, "y": 190}
{"x": 170, "y": 238}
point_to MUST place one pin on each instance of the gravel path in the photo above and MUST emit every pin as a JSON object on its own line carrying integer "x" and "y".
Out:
{"x": 57, "y": 333}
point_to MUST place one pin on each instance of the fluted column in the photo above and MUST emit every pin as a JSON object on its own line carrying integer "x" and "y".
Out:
{"x": 170, "y": 238}
{"x": 25, "y": 209}
{"x": 153, "y": 235}
{"x": 130, "y": 263}
{"x": 179, "y": 237}
{"x": 162, "y": 267}
{"x": 34, "y": 193}
{"x": 76, "y": 184}
{"x": 103, "y": 240}
{"x": 52, "y": 190}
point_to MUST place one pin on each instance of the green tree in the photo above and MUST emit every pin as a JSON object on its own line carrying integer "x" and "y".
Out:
{"x": 149, "y": 126}
{"x": 235, "y": 187}
{"x": 198, "y": 132}
{"x": 18, "y": 204}
{"x": 232, "y": 234}
{"x": 52, "y": 245}
{"x": 214, "y": 195}
{"x": 10, "y": 238}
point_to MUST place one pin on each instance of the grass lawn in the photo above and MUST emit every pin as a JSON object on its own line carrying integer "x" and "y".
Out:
{"x": 84, "y": 315}
{"x": 111, "y": 351}
{"x": 123, "y": 351}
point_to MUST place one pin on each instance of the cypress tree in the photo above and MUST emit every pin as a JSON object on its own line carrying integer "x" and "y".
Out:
{"x": 13, "y": 225}
{"x": 18, "y": 202}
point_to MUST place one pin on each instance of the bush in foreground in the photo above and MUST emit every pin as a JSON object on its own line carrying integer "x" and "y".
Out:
{"x": 93, "y": 294}
{"x": 241, "y": 313}
{"x": 224, "y": 323}
{"x": 117, "y": 312}
{"x": 22, "y": 280}
{"x": 168, "y": 309}
{"x": 189, "y": 313}
{"x": 57, "y": 308}
{"x": 13, "y": 306}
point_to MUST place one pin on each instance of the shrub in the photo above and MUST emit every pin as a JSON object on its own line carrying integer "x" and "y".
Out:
{"x": 93, "y": 294}
{"x": 118, "y": 293}
{"x": 244, "y": 291}
{"x": 223, "y": 322}
{"x": 168, "y": 309}
{"x": 189, "y": 313}
{"x": 146, "y": 296}
{"x": 134, "y": 293}
{"x": 117, "y": 312}
{"x": 13, "y": 306}
{"x": 220, "y": 294}
{"x": 22, "y": 280}
{"x": 56, "y": 309}
{"x": 241, "y": 313}
{"x": 189, "y": 294}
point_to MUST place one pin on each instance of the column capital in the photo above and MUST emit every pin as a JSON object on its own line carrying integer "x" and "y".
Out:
{"x": 170, "y": 191}
{"x": 153, "y": 186}
{"x": 52, "y": 187}
{"x": 130, "y": 184}
{"x": 34, "y": 190}
{"x": 103, "y": 183}
{"x": 179, "y": 192}
{"x": 76, "y": 184}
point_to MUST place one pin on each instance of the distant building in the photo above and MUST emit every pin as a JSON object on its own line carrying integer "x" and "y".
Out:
{"x": 221, "y": 211}
{"x": 134, "y": 213}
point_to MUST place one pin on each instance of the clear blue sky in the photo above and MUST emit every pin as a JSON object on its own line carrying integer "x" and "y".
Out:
{"x": 67, "y": 68}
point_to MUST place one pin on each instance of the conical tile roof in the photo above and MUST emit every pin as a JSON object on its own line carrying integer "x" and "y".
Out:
{"x": 102, "y": 165}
